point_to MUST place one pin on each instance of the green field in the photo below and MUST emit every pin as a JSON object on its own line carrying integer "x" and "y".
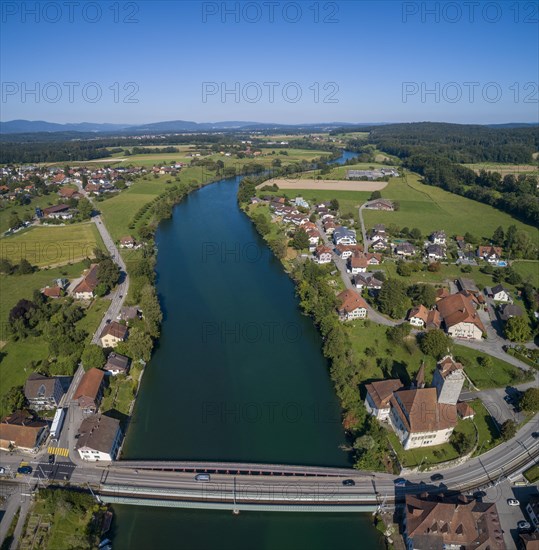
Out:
{"x": 429, "y": 208}
{"x": 529, "y": 270}
{"x": 532, "y": 474}
{"x": 41, "y": 201}
{"x": 339, "y": 171}
{"x": 15, "y": 287}
{"x": 504, "y": 169}
{"x": 53, "y": 245}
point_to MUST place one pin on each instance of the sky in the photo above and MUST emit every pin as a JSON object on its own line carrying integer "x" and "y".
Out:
{"x": 269, "y": 61}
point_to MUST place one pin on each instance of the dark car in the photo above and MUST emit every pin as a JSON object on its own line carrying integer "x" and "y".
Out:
{"x": 535, "y": 435}
{"x": 479, "y": 494}
{"x": 52, "y": 458}
{"x": 400, "y": 482}
{"x": 24, "y": 470}
{"x": 436, "y": 477}
{"x": 348, "y": 482}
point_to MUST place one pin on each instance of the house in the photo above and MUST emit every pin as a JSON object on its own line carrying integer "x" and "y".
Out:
{"x": 491, "y": 254}
{"x": 358, "y": 264}
{"x": 93, "y": 188}
{"x": 464, "y": 410}
{"x": 128, "y": 313}
{"x": 380, "y": 244}
{"x": 467, "y": 285}
{"x": 345, "y": 251}
{"x": 373, "y": 259}
{"x": 352, "y": 306}
{"x": 329, "y": 227}
{"x": 442, "y": 293}
{"x": 438, "y": 237}
{"x": 499, "y": 294}
{"x": 127, "y": 242}
{"x": 323, "y": 255}
{"x": 529, "y": 541}
{"x": 112, "y": 334}
{"x": 419, "y": 419}
{"x": 368, "y": 281}
{"x": 405, "y": 249}
{"x": 99, "y": 438}
{"x": 460, "y": 317}
{"x": 43, "y": 392}
{"x": 300, "y": 201}
{"x": 418, "y": 315}
{"x": 85, "y": 289}
{"x": 510, "y": 310}
{"x": 68, "y": 193}
{"x": 435, "y": 252}
{"x": 22, "y": 432}
{"x": 116, "y": 364}
{"x": 52, "y": 291}
{"x": 90, "y": 390}
{"x": 343, "y": 235}
{"x": 380, "y": 204}
{"x": 59, "y": 211}
{"x": 379, "y": 395}
{"x": 434, "y": 320}
{"x": 456, "y": 522}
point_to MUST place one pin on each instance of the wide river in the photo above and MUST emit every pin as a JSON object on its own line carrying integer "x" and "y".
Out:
{"x": 238, "y": 375}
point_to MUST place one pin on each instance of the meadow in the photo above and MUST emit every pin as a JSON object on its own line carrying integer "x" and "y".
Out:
{"x": 52, "y": 245}
{"x": 430, "y": 208}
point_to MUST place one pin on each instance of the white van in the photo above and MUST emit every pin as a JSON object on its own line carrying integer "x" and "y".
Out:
{"x": 202, "y": 477}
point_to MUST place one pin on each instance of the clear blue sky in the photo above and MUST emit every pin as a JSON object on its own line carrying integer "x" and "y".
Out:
{"x": 371, "y": 51}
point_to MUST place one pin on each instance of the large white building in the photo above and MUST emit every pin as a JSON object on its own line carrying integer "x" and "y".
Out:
{"x": 99, "y": 439}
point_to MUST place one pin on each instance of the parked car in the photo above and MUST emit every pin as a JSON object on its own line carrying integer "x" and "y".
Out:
{"x": 436, "y": 477}
{"x": 400, "y": 482}
{"x": 2, "y": 471}
{"x": 513, "y": 502}
{"x": 52, "y": 459}
{"x": 523, "y": 525}
{"x": 348, "y": 482}
{"x": 24, "y": 470}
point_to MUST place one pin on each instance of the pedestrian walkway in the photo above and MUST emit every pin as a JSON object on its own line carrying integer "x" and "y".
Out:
{"x": 61, "y": 451}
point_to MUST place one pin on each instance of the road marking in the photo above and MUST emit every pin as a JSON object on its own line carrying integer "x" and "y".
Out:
{"x": 61, "y": 451}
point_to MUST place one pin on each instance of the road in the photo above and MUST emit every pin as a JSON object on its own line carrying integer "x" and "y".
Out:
{"x": 363, "y": 230}
{"x": 119, "y": 294}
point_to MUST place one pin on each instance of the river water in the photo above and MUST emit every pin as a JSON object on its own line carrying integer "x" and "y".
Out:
{"x": 238, "y": 375}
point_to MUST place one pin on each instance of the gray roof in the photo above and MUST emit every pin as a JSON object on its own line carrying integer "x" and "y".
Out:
{"x": 39, "y": 386}
{"x": 116, "y": 361}
{"x": 510, "y": 310}
{"x": 98, "y": 432}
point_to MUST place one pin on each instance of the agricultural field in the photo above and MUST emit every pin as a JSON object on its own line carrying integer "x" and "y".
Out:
{"x": 52, "y": 245}
{"x": 504, "y": 169}
{"x": 338, "y": 172}
{"x": 430, "y": 208}
{"x": 326, "y": 184}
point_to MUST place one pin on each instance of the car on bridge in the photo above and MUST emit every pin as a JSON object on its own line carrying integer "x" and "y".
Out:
{"x": 523, "y": 526}
{"x": 436, "y": 477}
{"x": 202, "y": 477}
{"x": 400, "y": 482}
{"x": 348, "y": 482}
{"x": 513, "y": 502}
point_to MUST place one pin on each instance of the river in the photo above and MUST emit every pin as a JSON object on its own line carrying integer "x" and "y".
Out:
{"x": 238, "y": 375}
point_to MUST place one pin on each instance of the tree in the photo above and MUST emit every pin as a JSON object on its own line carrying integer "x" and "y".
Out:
{"x": 300, "y": 240}
{"x": 486, "y": 362}
{"x": 398, "y": 333}
{"x": 415, "y": 234}
{"x": 404, "y": 269}
{"x": 14, "y": 220}
{"x": 93, "y": 356}
{"x": 262, "y": 224}
{"x": 434, "y": 267}
{"x": 422, "y": 294}
{"x": 375, "y": 195}
{"x": 392, "y": 299}
{"x": 334, "y": 204}
{"x": 14, "y": 399}
{"x": 508, "y": 429}
{"x": 517, "y": 329}
{"x": 138, "y": 345}
{"x": 461, "y": 441}
{"x": 435, "y": 343}
{"x": 85, "y": 208}
{"x": 471, "y": 239}
{"x": 498, "y": 237}
{"x": 6, "y": 266}
{"x": 24, "y": 267}
{"x": 108, "y": 273}
{"x": 151, "y": 310}
{"x": 278, "y": 246}
{"x": 530, "y": 400}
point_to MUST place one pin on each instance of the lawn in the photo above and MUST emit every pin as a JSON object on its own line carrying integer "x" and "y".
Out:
{"x": 487, "y": 429}
{"x": 52, "y": 245}
{"x": 41, "y": 201}
{"x": 119, "y": 394}
{"x": 93, "y": 315}
{"x": 500, "y": 375}
{"x": 532, "y": 474}
{"x": 430, "y": 208}
{"x": 504, "y": 169}
{"x": 15, "y": 287}
{"x": 529, "y": 270}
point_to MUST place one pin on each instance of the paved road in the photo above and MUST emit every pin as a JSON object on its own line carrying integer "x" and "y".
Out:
{"x": 363, "y": 230}
{"x": 119, "y": 294}
{"x": 341, "y": 266}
